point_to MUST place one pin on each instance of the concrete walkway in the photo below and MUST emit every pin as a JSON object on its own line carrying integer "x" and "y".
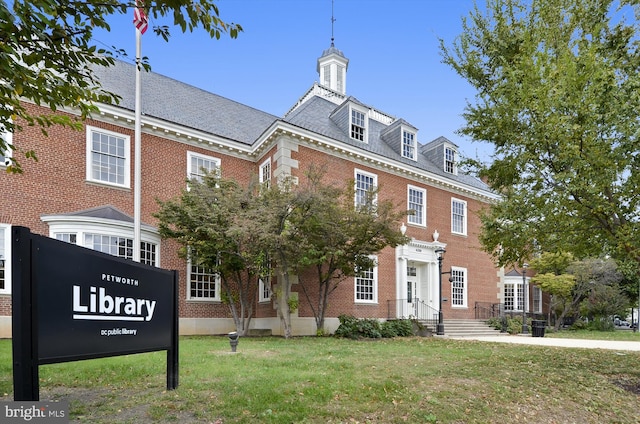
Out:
{"x": 553, "y": 341}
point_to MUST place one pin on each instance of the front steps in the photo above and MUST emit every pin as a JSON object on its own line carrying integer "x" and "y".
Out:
{"x": 468, "y": 328}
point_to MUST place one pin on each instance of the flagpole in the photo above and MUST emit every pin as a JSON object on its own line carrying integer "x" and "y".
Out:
{"x": 137, "y": 155}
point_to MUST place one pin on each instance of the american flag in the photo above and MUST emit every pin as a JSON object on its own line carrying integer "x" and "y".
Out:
{"x": 140, "y": 18}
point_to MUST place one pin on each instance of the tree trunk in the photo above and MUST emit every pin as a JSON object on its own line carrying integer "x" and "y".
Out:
{"x": 282, "y": 294}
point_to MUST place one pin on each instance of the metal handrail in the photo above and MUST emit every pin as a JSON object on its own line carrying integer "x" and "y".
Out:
{"x": 413, "y": 308}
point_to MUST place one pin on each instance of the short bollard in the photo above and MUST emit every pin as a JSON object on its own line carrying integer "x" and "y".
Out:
{"x": 233, "y": 340}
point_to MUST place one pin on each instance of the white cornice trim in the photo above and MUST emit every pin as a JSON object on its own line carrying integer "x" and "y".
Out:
{"x": 168, "y": 130}
{"x": 331, "y": 146}
{"x": 175, "y": 132}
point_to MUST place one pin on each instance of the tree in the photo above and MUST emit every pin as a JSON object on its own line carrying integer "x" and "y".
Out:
{"x": 213, "y": 221}
{"x": 338, "y": 238}
{"x": 588, "y": 287}
{"x": 557, "y": 95}
{"x": 47, "y": 53}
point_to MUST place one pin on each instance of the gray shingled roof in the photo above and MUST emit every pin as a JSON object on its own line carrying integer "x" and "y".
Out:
{"x": 314, "y": 115}
{"x": 106, "y": 212}
{"x": 182, "y": 104}
{"x": 174, "y": 101}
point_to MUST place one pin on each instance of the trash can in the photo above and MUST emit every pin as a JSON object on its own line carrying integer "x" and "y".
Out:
{"x": 537, "y": 327}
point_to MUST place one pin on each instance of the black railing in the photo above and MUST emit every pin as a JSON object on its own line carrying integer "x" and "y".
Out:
{"x": 412, "y": 309}
{"x": 486, "y": 310}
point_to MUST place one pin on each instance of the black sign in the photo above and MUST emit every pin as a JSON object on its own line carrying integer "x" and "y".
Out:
{"x": 91, "y": 304}
{"x": 73, "y": 303}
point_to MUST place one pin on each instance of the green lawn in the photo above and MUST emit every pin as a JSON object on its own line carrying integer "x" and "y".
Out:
{"x": 328, "y": 380}
{"x": 622, "y": 335}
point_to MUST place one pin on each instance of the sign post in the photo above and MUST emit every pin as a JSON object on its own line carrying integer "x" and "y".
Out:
{"x": 71, "y": 303}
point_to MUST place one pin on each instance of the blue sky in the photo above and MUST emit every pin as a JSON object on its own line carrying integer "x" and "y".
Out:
{"x": 392, "y": 47}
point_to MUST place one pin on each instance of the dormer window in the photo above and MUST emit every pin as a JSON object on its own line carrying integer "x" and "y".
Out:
{"x": 450, "y": 161}
{"x": 408, "y": 145}
{"x": 358, "y": 125}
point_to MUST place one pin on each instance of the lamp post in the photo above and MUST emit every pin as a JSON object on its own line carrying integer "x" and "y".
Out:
{"x": 525, "y": 329}
{"x": 440, "y": 327}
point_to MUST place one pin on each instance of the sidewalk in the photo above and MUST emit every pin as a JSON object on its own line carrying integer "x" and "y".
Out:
{"x": 552, "y": 341}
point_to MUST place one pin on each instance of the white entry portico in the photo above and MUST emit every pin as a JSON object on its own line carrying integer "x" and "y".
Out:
{"x": 417, "y": 281}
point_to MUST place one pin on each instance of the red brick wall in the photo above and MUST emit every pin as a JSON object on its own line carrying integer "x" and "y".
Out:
{"x": 462, "y": 251}
{"x": 57, "y": 184}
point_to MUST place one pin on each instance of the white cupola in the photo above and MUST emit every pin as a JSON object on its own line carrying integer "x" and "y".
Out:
{"x": 332, "y": 68}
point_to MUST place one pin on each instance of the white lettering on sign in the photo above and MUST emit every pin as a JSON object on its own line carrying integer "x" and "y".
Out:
{"x": 105, "y": 307}
{"x": 120, "y": 279}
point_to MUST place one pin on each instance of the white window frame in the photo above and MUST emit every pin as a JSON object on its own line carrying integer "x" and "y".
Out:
{"x": 197, "y": 173}
{"x": 127, "y": 157}
{"x": 420, "y": 218}
{"x": 6, "y": 256}
{"x": 510, "y": 293}
{"x": 411, "y": 145}
{"x": 450, "y": 164}
{"x": 459, "y": 276}
{"x": 364, "y": 126}
{"x": 62, "y": 225}
{"x": 455, "y": 217}
{"x": 374, "y": 283}
{"x": 216, "y": 283}
{"x": 264, "y": 290}
{"x": 515, "y": 284}
{"x": 374, "y": 185}
{"x": 6, "y": 154}
{"x": 536, "y": 294}
{"x": 265, "y": 168}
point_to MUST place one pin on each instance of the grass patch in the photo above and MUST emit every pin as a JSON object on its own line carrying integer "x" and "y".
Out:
{"x": 329, "y": 380}
{"x": 616, "y": 335}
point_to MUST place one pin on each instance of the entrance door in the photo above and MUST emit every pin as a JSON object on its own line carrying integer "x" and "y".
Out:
{"x": 412, "y": 291}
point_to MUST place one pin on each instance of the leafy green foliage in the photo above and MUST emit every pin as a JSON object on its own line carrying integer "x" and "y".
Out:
{"x": 355, "y": 328}
{"x": 214, "y": 222}
{"x": 557, "y": 95}
{"x": 588, "y": 288}
{"x": 47, "y": 55}
{"x": 336, "y": 238}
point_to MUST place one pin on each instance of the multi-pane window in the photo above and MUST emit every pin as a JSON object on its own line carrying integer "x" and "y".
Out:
{"x": 5, "y": 154}
{"x": 67, "y": 237}
{"x": 5, "y": 282}
{"x": 148, "y": 253}
{"x": 365, "y": 186}
{"x": 416, "y": 203}
{"x": 264, "y": 289}
{"x": 265, "y": 172}
{"x": 203, "y": 283}
{"x": 458, "y": 216}
{"x": 520, "y": 292}
{"x": 514, "y": 296}
{"x": 198, "y": 165}
{"x": 408, "y": 145}
{"x": 412, "y": 273}
{"x": 366, "y": 286}
{"x": 449, "y": 160}
{"x": 358, "y": 125}
{"x": 509, "y": 297}
{"x": 536, "y": 299}
{"x": 107, "y": 157}
{"x": 121, "y": 247}
{"x": 458, "y": 287}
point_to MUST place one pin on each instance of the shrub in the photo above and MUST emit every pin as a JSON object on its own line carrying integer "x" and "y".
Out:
{"x": 495, "y": 322}
{"x": 354, "y": 328}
